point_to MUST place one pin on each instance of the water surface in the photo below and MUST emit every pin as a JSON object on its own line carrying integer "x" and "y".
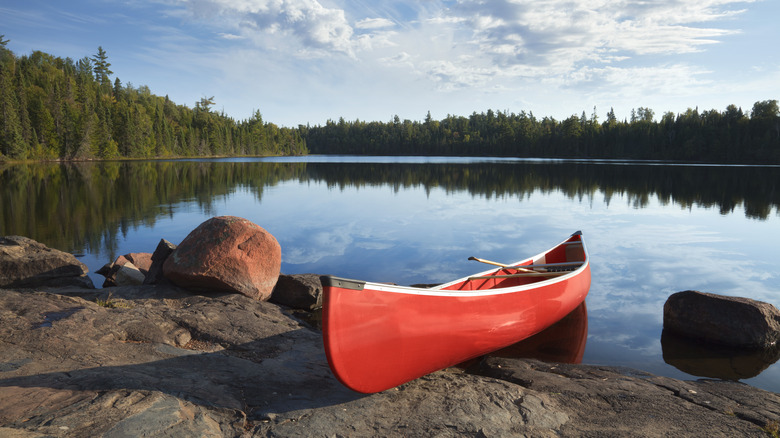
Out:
{"x": 652, "y": 228}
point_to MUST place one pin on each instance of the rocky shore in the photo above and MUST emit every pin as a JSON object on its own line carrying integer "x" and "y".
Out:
{"x": 163, "y": 360}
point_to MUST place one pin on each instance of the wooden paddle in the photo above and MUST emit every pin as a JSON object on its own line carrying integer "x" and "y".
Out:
{"x": 502, "y": 265}
{"x": 525, "y": 271}
{"x": 529, "y": 274}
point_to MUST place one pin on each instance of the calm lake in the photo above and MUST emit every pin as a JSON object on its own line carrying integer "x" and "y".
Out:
{"x": 652, "y": 229}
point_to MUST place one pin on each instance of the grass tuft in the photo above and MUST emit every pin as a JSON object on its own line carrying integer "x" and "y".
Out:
{"x": 772, "y": 429}
{"x": 112, "y": 304}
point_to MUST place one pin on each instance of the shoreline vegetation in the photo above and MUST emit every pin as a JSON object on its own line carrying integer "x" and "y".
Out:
{"x": 55, "y": 109}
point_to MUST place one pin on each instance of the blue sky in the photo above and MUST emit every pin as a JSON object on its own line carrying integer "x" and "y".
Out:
{"x": 307, "y": 61}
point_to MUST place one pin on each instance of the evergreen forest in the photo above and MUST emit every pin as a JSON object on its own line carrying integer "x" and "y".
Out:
{"x": 53, "y": 108}
{"x": 710, "y": 136}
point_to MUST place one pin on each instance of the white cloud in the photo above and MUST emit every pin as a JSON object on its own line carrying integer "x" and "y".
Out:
{"x": 563, "y": 33}
{"x": 230, "y": 36}
{"x": 552, "y": 37}
{"x": 374, "y": 23}
{"x": 449, "y": 72}
{"x": 635, "y": 82}
{"x": 401, "y": 59}
{"x": 546, "y": 55}
{"x": 559, "y": 41}
{"x": 272, "y": 22}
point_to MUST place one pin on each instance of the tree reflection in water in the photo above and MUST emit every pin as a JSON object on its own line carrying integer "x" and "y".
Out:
{"x": 86, "y": 206}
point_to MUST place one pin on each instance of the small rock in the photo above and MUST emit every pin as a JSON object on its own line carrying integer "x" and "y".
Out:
{"x": 734, "y": 321}
{"x": 105, "y": 269}
{"x": 26, "y": 263}
{"x": 139, "y": 261}
{"x": 228, "y": 254}
{"x": 129, "y": 275}
{"x": 300, "y": 291}
{"x": 161, "y": 253}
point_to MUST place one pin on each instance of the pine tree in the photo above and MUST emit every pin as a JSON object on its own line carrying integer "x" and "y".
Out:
{"x": 22, "y": 108}
{"x": 5, "y": 54}
{"x": 117, "y": 89}
{"x": 11, "y": 139}
{"x": 101, "y": 67}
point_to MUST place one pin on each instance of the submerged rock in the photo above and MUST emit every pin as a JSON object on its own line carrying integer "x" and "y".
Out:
{"x": 227, "y": 253}
{"x": 716, "y": 361}
{"x": 733, "y": 321}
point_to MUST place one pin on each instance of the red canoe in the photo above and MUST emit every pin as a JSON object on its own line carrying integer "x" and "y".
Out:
{"x": 378, "y": 336}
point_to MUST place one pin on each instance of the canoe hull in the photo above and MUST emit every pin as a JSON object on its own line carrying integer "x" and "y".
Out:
{"x": 379, "y": 336}
{"x": 562, "y": 342}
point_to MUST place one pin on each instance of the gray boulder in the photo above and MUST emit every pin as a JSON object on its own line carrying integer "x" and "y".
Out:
{"x": 733, "y": 321}
{"x": 26, "y": 263}
{"x": 300, "y": 291}
{"x": 160, "y": 254}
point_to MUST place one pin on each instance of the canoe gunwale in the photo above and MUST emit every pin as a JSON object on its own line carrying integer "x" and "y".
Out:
{"x": 440, "y": 291}
{"x": 344, "y": 283}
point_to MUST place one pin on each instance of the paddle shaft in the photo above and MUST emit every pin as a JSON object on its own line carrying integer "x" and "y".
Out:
{"x": 500, "y": 264}
{"x": 528, "y": 274}
{"x": 525, "y": 267}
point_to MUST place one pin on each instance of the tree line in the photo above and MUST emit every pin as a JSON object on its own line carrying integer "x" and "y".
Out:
{"x": 55, "y": 108}
{"x": 731, "y": 136}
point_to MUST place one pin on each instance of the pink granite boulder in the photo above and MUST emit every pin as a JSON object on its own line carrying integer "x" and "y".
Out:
{"x": 229, "y": 254}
